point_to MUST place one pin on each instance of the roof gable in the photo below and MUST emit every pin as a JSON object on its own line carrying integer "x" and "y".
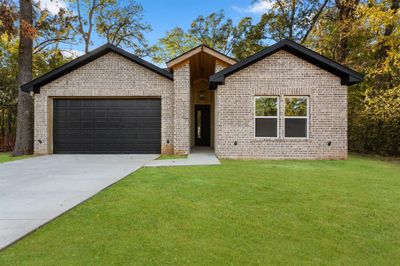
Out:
{"x": 201, "y": 48}
{"x": 37, "y": 83}
{"x": 347, "y": 75}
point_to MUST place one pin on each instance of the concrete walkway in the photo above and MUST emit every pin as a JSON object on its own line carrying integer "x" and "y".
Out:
{"x": 35, "y": 191}
{"x": 197, "y": 156}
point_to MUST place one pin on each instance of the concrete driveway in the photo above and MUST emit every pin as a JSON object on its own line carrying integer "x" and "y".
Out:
{"x": 35, "y": 191}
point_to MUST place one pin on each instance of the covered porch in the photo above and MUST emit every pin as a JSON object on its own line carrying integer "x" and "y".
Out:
{"x": 202, "y": 62}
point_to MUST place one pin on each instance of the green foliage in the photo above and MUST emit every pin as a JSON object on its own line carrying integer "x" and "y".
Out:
{"x": 176, "y": 42}
{"x": 8, "y": 90}
{"x": 45, "y": 59}
{"x": 373, "y": 44}
{"x": 5, "y": 157}
{"x": 296, "y": 106}
{"x": 215, "y": 31}
{"x": 122, "y": 25}
{"x": 8, "y": 16}
{"x": 291, "y": 19}
{"x": 53, "y": 29}
{"x": 171, "y": 157}
{"x": 266, "y": 106}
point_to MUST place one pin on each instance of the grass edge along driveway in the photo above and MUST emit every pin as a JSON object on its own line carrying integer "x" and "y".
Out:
{"x": 5, "y": 157}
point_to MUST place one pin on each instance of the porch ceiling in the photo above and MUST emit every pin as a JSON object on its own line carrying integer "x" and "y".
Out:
{"x": 200, "y": 51}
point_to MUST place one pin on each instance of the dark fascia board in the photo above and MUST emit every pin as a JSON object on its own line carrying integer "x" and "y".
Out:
{"x": 35, "y": 84}
{"x": 347, "y": 75}
{"x": 194, "y": 48}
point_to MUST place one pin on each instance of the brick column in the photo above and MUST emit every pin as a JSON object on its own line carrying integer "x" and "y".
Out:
{"x": 182, "y": 109}
{"x": 218, "y": 67}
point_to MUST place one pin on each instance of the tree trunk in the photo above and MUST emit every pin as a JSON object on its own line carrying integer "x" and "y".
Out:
{"x": 346, "y": 16}
{"x": 292, "y": 18}
{"x": 382, "y": 52}
{"x": 7, "y": 132}
{"x": 24, "y": 134}
{"x": 86, "y": 46}
{"x": 3, "y": 117}
{"x": 383, "y": 80}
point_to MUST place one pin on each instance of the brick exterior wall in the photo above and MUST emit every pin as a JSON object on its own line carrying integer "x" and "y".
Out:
{"x": 218, "y": 67}
{"x": 277, "y": 75}
{"x": 281, "y": 74}
{"x": 108, "y": 76}
{"x": 182, "y": 109}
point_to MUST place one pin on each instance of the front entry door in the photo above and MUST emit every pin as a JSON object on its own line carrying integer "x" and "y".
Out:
{"x": 202, "y": 125}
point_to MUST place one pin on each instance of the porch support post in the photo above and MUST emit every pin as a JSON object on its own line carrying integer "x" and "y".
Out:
{"x": 182, "y": 109}
{"x": 218, "y": 67}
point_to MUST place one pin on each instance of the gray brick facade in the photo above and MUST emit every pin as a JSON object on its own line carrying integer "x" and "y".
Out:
{"x": 108, "y": 76}
{"x": 182, "y": 109}
{"x": 281, "y": 74}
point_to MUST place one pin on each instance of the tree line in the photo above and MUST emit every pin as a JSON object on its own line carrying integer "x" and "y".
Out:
{"x": 363, "y": 35}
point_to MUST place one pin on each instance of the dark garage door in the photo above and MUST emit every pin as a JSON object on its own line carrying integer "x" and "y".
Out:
{"x": 107, "y": 126}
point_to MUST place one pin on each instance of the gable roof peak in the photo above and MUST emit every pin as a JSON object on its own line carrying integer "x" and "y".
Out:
{"x": 347, "y": 75}
{"x": 199, "y": 49}
{"x": 37, "y": 83}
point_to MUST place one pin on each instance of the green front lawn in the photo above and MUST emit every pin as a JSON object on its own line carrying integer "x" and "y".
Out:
{"x": 5, "y": 157}
{"x": 238, "y": 213}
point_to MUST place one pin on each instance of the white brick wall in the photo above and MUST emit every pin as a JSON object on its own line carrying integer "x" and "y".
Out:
{"x": 277, "y": 75}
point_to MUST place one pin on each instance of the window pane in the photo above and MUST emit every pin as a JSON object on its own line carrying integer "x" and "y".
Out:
{"x": 296, "y": 106}
{"x": 266, "y": 127}
{"x": 296, "y": 127}
{"x": 266, "y": 106}
{"x": 198, "y": 124}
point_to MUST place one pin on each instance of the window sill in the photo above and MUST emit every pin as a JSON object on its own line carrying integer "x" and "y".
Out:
{"x": 296, "y": 139}
{"x": 261, "y": 139}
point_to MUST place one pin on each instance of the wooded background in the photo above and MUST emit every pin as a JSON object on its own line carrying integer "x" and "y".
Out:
{"x": 363, "y": 35}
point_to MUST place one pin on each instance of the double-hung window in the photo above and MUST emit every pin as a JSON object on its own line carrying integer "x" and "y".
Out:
{"x": 296, "y": 117}
{"x": 266, "y": 116}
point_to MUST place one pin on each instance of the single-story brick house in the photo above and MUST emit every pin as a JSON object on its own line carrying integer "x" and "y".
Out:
{"x": 285, "y": 101}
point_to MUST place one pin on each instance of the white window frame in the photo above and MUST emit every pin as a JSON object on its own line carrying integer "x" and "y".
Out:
{"x": 296, "y": 117}
{"x": 277, "y": 115}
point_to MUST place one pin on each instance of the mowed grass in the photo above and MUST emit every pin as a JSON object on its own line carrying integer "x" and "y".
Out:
{"x": 170, "y": 157}
{"x": 237, "y": 213}
{"x": 5, "y": 157}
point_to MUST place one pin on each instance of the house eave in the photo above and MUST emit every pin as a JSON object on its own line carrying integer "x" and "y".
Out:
{"x": 37, "y": 83}
{"x": 347, "y": 75}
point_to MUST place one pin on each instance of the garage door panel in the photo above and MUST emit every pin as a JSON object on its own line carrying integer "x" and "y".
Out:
{"x": 87, "y": 103}
{"x": 107, "y": 126}
{"x": 75, "y": 103}
{"x": 87, "y": 114}
{"x": 87, "y": 125}
{"x": 60, "y": 103}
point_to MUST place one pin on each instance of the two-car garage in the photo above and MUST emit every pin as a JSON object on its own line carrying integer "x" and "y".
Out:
{"x": 107, "y": 101}
{"x": 101, "y": 126}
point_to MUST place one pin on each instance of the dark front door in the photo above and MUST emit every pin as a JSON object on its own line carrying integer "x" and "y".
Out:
{"x": 202, "y": 125}
{"x": 107, "y": 126}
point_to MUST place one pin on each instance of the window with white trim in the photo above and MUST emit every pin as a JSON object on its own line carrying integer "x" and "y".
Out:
{"x": 266, "y": 116}
{"x": 296, "y": 117}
